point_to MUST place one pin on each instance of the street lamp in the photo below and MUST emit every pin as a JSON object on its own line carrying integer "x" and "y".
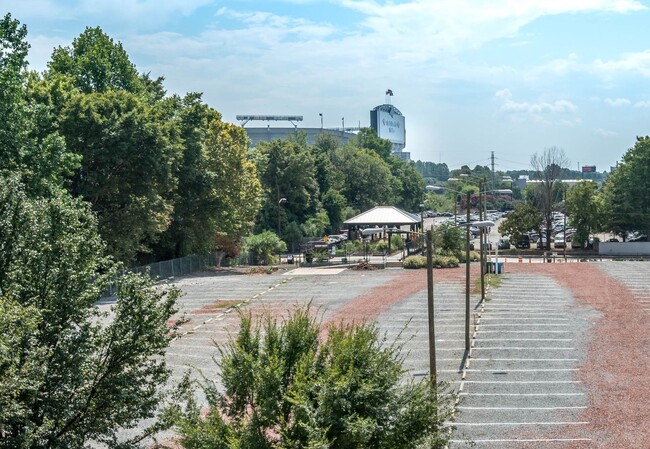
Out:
{"x": 321, "y": 120}
{"x": 281, "y": 201}
{"x": 481, "y": 225}
{"x": 430, "y": 303}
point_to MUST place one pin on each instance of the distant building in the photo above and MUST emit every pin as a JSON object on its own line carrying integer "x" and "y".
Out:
{"x": 389, "y": 123}
{"x": 268, "y": 134}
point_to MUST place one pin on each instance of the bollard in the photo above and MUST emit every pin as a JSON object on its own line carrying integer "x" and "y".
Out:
{"x": 521, "y": 259}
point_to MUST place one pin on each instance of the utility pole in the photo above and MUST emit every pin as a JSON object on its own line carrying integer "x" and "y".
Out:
{"x": 493, "y": 175}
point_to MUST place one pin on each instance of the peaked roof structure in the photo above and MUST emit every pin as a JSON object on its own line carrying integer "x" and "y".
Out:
{"x": 383, "y": 215}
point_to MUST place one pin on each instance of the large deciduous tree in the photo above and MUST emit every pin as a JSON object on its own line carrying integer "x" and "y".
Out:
{"x": 585, "y": 209}
{"x": 218, "y": 193}
{"x": 29, "y": 143}
{"x": 70, "y": 374}
{"x": 96, "y": 63}
{"x": 524, "y": 218}
{"x": 287, "y": 170}
{"x": 126, "y": 170}
{"x": 627, "y": 190}
{"x": 547, "y": 168}
{"x": 368, "y": 181}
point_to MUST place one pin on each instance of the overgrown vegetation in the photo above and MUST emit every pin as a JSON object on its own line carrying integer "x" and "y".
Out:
{"x": 286, "y": 386}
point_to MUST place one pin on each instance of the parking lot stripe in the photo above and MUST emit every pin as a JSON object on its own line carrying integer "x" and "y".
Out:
{"x": 485, "y": 359}
{"x": 550, "y": 370}
{"x": 528, "y": 440}
{"x": 523, "y": 408}
{"x": 501, "y": 382}
{"x": 522, "y": 394}
{"x": 526, "y": 339}
{"x": 551, "y": 423}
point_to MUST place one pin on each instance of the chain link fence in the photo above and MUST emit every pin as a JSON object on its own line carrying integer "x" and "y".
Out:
{"x": 176, "y": 267}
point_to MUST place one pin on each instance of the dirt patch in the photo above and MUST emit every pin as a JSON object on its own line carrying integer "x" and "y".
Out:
{"x": 217, "y": 306}
{"x": 376, "y": 301}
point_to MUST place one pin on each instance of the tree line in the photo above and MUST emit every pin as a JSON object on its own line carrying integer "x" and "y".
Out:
{"x": 99, "y": 168}
{"x": 619, "y": 205}
{"x": 164, "y": 174}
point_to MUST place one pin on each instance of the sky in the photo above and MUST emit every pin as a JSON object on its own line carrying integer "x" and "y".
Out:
{"x": 471, "y": 77}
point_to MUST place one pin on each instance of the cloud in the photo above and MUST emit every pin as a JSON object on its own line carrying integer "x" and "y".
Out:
{"x": 542, "y": 111}
{"x": 605, "y": 132}
{"x": 642, "y": 104}
{"x": 617, "y": 102}
{"x": 638, "y": 62}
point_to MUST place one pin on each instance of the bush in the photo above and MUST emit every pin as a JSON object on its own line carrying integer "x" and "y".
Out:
{"x": 263, "y": 246}
{"x": 442, "y": 261}
{"x": 415, "y": 262}
{"x": 396, "y": 242}
{"x": 285, "y": 387}
{"x": 380, "y": 246}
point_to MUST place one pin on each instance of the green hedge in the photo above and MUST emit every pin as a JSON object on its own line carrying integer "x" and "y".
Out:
{"x": 439, "y": 261}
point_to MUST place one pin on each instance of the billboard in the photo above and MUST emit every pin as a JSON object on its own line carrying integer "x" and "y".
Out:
{"x": 391, "y": 126}
{"x": 588, "y": 169}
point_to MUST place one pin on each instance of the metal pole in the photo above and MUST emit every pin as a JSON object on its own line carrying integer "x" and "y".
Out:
{"x": 564, "y": 232}
{"x": 430, "y": 307}
{"x": 481, "y": 234}
{"x": 467, "y": 277}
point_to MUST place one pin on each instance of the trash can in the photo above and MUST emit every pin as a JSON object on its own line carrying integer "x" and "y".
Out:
{"x": 495, "y": 267}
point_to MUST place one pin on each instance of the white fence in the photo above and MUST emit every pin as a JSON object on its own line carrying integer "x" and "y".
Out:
{"x": 624, "y": 248}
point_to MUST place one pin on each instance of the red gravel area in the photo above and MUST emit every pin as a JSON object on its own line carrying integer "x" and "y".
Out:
{"x": 615, "y": 372}
{"x": 376, "y": 301}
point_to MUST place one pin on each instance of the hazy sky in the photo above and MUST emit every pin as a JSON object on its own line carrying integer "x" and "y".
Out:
{"x": 470, "y": 76}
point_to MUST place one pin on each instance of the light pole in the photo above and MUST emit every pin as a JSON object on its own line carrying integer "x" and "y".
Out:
{"x": 281, "y": 201}
{"x": 421, "y": 223}
{"x": 482, "y": 236}
{"x": 467, "y": 278}
{"x": 480, "y": 225}
{"x": 321, "y": 120}
{"x": 430, "y": 310}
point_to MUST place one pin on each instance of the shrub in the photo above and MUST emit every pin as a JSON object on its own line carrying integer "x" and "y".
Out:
{"x": 415, "y": 262}
{"x": 442, "y": 261}
{"x": 396, "y": 242}
{"x": 285, "y": 387}
{"x": 263, "y": 246}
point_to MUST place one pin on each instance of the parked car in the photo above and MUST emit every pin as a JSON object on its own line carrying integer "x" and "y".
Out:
{"x": 559, "y": 242}
{"x": 541, "y": 243}
{"x": 504, "y": 243}
{"x": 575, "y": 244}
{"x": 523, "y": 242}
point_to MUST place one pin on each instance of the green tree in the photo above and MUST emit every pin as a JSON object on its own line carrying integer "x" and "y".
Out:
{"x": 286, "y": 169}
{"x": 524, "y": 218}
{"x": 264, "y": 246}
{"x": 69, "y": 373}
{"x": 585, "y": 209}
{"x": 410, "y": 191}
{"x": 30, "y": 145}
{"x": 450, "y": 239}
{"x": 368, "y": 181}
{"x": 127, "y": 168}
{"x": 218, "y": 193}
{"x": 285, "y": 388}
{"x": 367, "y": 139}
{"x": 626, "y": 191}
{"x": 96, "y": 64}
